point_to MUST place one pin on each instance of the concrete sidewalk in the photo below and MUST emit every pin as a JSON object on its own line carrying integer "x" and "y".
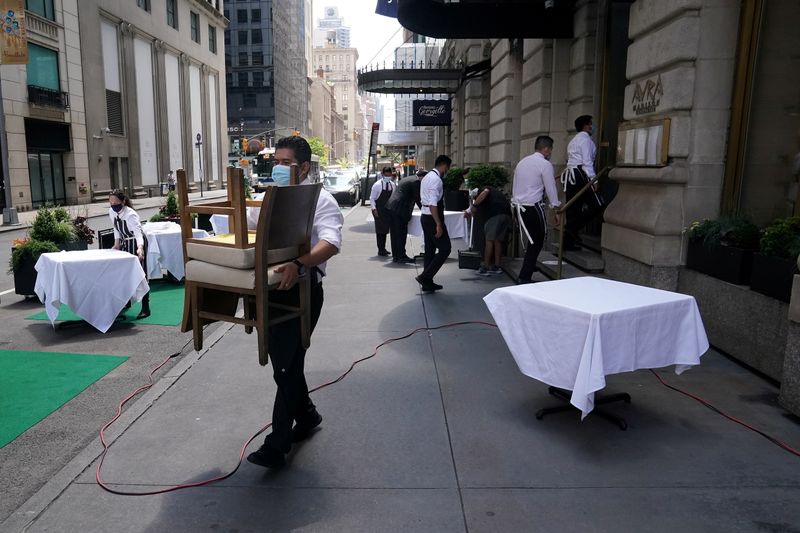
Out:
{"x": 101, "y": 208}
{"x": 437, "y": 433}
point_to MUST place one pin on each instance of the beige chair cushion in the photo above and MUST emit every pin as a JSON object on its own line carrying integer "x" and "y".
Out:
{"x": 203, "y": 272}
{"x": 242, "y": 258}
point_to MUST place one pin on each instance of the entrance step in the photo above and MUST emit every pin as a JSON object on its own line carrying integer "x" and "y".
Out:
{"x": 101, "y": 195}
{"x": 585, "y": 258}
{"x": 548, "y": 265}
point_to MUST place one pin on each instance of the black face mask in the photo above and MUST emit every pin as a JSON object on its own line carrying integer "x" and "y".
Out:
{"x": 117, "y": 207}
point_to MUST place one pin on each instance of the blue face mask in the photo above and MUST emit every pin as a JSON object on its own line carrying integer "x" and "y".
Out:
{"x": 117, "y": 207}
{"x": 386, "y": 179}
{"x": 280, "y": 175}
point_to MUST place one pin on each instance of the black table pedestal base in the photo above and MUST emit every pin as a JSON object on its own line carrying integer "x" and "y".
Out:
{"x": 599, "y": 400}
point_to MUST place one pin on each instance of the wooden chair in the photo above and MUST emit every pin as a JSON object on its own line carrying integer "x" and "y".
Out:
{"x": 224, "y": 269}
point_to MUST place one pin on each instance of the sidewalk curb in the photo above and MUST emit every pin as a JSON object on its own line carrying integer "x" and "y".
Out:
{"x": 29, "y": 511}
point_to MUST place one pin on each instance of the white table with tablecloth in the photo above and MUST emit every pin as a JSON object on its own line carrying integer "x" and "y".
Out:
{"x": 572, "y": 333}
{"x": 165, "y": 248}
{"x": 95, "y": 284}
{"x": 454, "y": 220}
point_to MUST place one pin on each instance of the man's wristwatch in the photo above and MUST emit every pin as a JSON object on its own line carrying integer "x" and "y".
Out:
{"x": 301, "y": 268}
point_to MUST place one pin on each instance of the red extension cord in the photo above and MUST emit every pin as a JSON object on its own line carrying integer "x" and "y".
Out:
{"x": 101, "y": 483}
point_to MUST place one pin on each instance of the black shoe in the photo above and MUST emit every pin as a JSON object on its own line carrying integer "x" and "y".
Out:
{"x": 383, "y": 253}
{"x": 144, "y": 313}
{"x": 302, "y": 430}
{"x": 524, "y": 281}
{"x": 428, "y": 286}
{"x": 267, "y": 457}
{"x": 407, "y": 260}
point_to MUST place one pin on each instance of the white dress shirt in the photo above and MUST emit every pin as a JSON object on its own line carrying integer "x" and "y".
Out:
{"x": 431, "y": 191}
{"x": 377, "y": 189}
{"x": 328, "y": 221}
{"x": 533, "y": 178}
{"x": 581, "y": 151}
{"x": 128, "y": 219}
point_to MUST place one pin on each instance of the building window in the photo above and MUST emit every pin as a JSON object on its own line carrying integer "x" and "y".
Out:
{"x": 258, "y": 57}
{"x": 195, "y": 25}
{"x": 46, "y": 176}
{"x": 242, "y": 37}
{"x": 227, "y": 38}
{"x": 144, "y": 4}
{"x": 172, "y": 13}
{"x": 229, "y": 79}
{"x": 243, "y": 59}
{"x": 256, "y": 37}
{"x": 241, "y": 16}
{"x": 243, "y": 79}
{"x": 249, "y": 100}
{"x": 43, "y": 67}
{"x": 212, "y": 39}
{"x": 258, "y": 78}
{"x": 255, "y": 15}
{"x": 43, "y": 8}
{"x": 227, "y": 60}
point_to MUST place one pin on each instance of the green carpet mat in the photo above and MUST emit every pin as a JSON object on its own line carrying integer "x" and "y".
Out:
{"x": 166, "y": 307}
{"x": 34, "y": 384}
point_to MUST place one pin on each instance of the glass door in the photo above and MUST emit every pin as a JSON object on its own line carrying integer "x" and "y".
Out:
{"x": 46, "y": 176}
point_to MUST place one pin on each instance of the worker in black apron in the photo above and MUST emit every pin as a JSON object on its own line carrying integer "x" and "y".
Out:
{"x": 128, "y": 236}
{"x": 379, "y": 196}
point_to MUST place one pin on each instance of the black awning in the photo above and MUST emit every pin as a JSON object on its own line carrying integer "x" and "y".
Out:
{"x": 485, "y": 19}
{"x": 410, "y": 81}
{"x": 47, "y": 135}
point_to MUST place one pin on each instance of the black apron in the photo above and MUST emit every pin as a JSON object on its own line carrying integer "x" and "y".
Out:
{"x": 384, "y": 215}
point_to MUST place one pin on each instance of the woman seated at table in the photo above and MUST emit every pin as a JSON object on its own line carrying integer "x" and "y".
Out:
{"x": 128, "y": 236}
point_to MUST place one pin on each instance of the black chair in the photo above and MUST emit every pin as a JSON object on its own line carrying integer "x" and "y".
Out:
{"x": 105, "y": 238}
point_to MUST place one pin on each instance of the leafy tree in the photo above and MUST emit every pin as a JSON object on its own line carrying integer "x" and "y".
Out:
{"x": 319, "y": 149}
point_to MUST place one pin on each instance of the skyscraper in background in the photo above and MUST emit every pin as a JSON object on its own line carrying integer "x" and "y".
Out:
{"x": 331, "y": 29}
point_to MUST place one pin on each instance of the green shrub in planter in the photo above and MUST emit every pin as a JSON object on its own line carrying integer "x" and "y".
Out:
{"x": 52, "y": 225}
{"x": 775, "y": 265}
{"x": 487, "y": 176}
{"x": 29, "y": 250}
{"x": 453, "y": 179}
{"x": 723, "y": 248}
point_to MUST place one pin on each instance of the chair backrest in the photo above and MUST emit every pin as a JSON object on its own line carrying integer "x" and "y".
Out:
{"x": 105, "y": 238}
{"x": 287, "y": 220}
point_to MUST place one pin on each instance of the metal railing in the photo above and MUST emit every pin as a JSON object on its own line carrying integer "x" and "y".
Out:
{"x": 562, "y": 213}
{"x": 44, "y": 97}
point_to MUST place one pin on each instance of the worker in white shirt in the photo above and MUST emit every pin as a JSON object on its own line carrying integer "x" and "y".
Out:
{"x": 378, "y": 197}
{"x": 292, "y": 403}
{"x": 533, "y": 178}
{"x": 128, "y": 236}
{"x": 437, "y": 240}
{"x": 581, "y": 152}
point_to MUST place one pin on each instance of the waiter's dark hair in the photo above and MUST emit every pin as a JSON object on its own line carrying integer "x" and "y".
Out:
{"x": 581, "y": 122}
{"x": 543, "y": 141}
{"x": 122, "y": 197}
{"x": 442, "y": 159}
{"x": 390, "y": 170}
{"x": 300, "y": 147}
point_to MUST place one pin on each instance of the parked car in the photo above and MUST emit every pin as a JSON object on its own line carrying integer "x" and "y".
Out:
{"x": 344, "y": 185}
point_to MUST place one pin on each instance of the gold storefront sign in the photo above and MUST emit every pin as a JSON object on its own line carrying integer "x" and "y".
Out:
{"x": 13, "y": 37}
{"x": 647, "y": 96}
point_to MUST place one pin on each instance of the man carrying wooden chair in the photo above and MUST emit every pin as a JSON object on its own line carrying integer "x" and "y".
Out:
{"x": 286, "y": 351}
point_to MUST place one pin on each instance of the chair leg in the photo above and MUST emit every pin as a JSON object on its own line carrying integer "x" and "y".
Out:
{"x": 248, "y": 312}
{"x": 197, "y": 327}
{"x": 305, "y": 311}
{"x": 261, "y": 301}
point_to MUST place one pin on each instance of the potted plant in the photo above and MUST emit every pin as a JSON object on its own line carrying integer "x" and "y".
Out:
{"x": 454, "y": 198}
{"x": 775, "y": 265}
{"x": 487, "y": 176}
{"x": 723, "y": 248}
{"x": 52, "y": 229}
{"x": 169, "y": 211}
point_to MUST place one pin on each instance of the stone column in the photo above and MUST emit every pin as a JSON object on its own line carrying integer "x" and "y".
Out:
{"x": 505, "y": 104}
{"x": 790, "y": 379}
{"x": 680, "y": 66}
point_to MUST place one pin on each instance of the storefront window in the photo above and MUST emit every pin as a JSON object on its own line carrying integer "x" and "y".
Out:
{"x": 770, "y": 168}
{"x": 46, "y": 175}
{"x": 43, "y": 67}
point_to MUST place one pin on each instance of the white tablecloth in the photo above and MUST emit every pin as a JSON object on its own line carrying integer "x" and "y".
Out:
{"x": 219, "y": 223}
{"x": 454, "y": 220}
{"x": 95, "y": 284}
{"x": 164, "y": 248}
{"x": 572, "y": 333}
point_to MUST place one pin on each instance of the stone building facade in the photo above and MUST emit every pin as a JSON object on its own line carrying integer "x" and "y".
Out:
{"x": 694, "y": 115}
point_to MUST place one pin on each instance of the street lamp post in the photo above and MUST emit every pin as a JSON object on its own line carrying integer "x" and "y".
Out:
{"x": 198, "y": 144}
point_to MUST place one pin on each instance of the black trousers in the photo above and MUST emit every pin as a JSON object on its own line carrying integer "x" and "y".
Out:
{"x": 129, "y": 245}
{"x": 287, "y": 355}
{"x": 436, "y": 250}
{"x": 534, "y": 219}
{"x": 584, "y": 210}
{"x": 383, "y": 227}
{"x": 399, "y": 234}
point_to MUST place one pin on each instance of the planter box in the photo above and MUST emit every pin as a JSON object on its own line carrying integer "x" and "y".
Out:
{"x": 728, "y": 263}
{"x": 456, "y": 200}
{"x": 773, "y": 276}
{"x": 25, "y": 277}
